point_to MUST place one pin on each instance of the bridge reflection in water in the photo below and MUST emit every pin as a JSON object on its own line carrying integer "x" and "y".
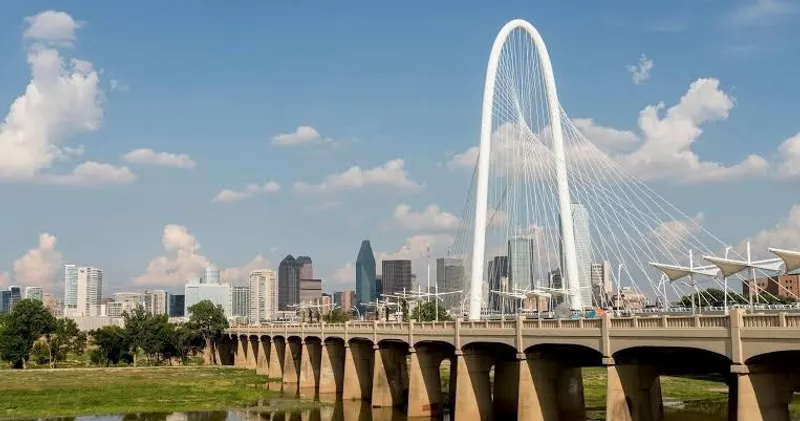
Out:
{"x": 528, "y": 369}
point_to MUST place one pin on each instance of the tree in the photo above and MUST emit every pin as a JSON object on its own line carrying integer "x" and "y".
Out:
{"x": 208, "y": 321}
{"x": 65, "y": 338}
{"x": 22, "y": 327}
{"x": 425, "y": 311}
{"x": 186, "y": 341}
{"x": 336, "y": 315}
{"x": 152, "y": 334}
{"x": 112, "y": 345}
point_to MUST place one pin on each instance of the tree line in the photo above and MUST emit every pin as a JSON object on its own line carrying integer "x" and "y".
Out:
{"x": 716, "y": 298}
{"x": 30, "y": 333}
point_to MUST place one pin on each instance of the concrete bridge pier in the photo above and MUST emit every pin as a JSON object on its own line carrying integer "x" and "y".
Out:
{"x": 331, "y": 370}
{"x": 309, "y": 367}
{"x": 763, "y": 393}
{"x": 548, "y": 390}
{"x": 252, "y": 348}
{"x": 633, "y": 393}
{"x": 291, "y": 364}
{"x": 425, "y": 398}
{"x": 240, "y": 360}
{"x": 473, "y": 397}
{"x": 262, "y": 363}
{"x": 389, "y": 374}
{"x": 223, "y": 351}
{"x": 277, "y": 349}
{"x": 358, "y": 364}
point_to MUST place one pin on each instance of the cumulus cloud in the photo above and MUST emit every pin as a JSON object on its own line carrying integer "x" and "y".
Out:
{"x": 183, "y": 261}
{"x": 39, "y": 265}
{"x": 302, "y": 136}
{"x": 789, "y": 161}
{"x": 52, "y": 26}
{"x": 785, "y": 234}
{"x": 165, "y": 159}
{"x": 92, "y": 174}
{"x": 640, "y": 72}
{"x": 5, "y": 279}
{"x": 606, "y": 138}
{"x": 752, "y": 13}
{"x": 392, "y": 175}
{"x": 432, "y": 218}
{"x": 346, "y": 274}
{"x": 676, "y": 232}
{"x": 415, "y": 249}
{"x": 62, "y": 100}
{"x": 252, "y": 190}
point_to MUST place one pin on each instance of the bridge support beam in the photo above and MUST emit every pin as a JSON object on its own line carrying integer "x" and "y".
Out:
{"x": 291, "y": 365}
{"x": 262, "y": 363}
{"x": 473, "y": 398}
{"x": 358, "y": 363}
{"x": 309, "y": 368}
{"x": 633, "y": 393}
{"x": 277, "y": 349}
{"x": 549, "y": 391}
{"x": 387, "y": 375}
{"x": 763, "y": 393}
{"x": 240, "y": 360}
{"x": 252, "y": 348}
{"x": 425, "y": 398}
{"x": 331, "y": 370}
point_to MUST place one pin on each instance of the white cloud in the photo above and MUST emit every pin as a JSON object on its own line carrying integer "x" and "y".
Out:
{"x": 432, "y": 218}
{"x": 117, "y": 86}
{"x": 785, "y": 234}
{"x": 752, "y": 13}
{"x": 606, "y": 138}
{"x": 92, "y": 174}
{"x": 5, "y": 280}
{"x": 789, "y": 161}
{"x": 415, "y": 249}
{"x": 252, "y": 190}
{"x": 346, "y": 274}
{"x": 640, "y": 72}
{"x": 183, "y": 261}
{"x": 392, "y": 174}
{"x": 52, "y": 26}
{"x": 302, "y": 136}
{"x": 150, "y": 157}
{"x": 39, "y": 265}
{"x": 464, "y": 160}
{"x": 676, "y": 232}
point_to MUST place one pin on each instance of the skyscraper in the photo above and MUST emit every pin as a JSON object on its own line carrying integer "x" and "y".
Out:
{"x": 240, "y": 301}
{"x": 70, "y": 286}
{"x": 498, "y": 281}
{"x": 90, "y": 289}
{"x": 16, "y": 296}
{"x": 218, "y": 294}
{"x": 33, "y": 293}
{"x": 310, "y": 290}
{"x": 212, "y": 275}
{"x": 263, "y": 295}
{"x": 306, "y": 267}
{"x": 520, "y": 260}
{"x": 288, "y": 283}
{"x": 583, "y": 251}
{"x": 5, "y": 301}
{"x": 177, "y": 305}
{"x": 450, "y": 278}
{"x": 395, "y": 276}
{"x": 601, "y": 284}
{"x": 156, "y": 302}
{"x": 365, "y": 274}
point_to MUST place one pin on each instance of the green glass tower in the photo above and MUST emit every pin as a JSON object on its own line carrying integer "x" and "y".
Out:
{"x": 365, "y": 274}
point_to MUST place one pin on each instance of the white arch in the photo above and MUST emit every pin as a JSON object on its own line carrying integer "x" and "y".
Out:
{"x": 482, "y": 187}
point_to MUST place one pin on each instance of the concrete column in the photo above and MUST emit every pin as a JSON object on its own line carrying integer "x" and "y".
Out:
{"x": 275, "y": 366}
{"x": 358, "y": 359}
{"x": 240, "y": 360}
{"x": 307, "y": 382}
{"x": 473, "y": 389}
{"x": 331, "y": 369}
{"x": 291, "y": 363}
{"x": 217, "y": 358}
{"x": 262, "y": 363}
{"x": 425, "y": 397}
{"x": 505, "y": 389}
{"x": 538, "y": 389}
{"x": 252, "y": 348}
{"x": 633, "y": 393}
{"x": 763, "y": 396}
{"x": 388, "y": 372}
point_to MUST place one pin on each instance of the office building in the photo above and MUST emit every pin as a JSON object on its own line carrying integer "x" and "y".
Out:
{"x": 211, "y": 275}
{"x": 177, "y": 305}
{"x": 288, "y": 283}
{"x": 366, "y": 286}
{"x": 70, "y": 286}
{"x": 778, "y": 286}
{"x": 601, "y": 284}
{"x": 323, "y": 304}
{"x": 34, "y": 293}
{"x": 583, "y": 251}
{"x": 497, "y": 275}
{"x": 395, "y": 276}
{"x": 53, "y": 305}
{"x": 520, "y": 261}
{"x": 310, "y": 290}
{"x": 240, "y": 301}
{"x": 305, "y": 267}
{"x": 5, "y": 301}
{"x": 16, "y": 296}
{"x": 156, "y": 302}
{"x": 450, "y": 278}
{"x": 218, "y": 294}
{"x": 378, "y": 286}
{"x": 345, "y": 300}
{"x": 90, "y": 290}
{"x": 263, "y": 295}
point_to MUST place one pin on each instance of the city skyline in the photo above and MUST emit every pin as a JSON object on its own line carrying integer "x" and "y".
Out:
{"x": 356, "y": 185}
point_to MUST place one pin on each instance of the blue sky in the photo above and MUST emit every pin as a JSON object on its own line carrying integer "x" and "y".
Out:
{"x": 377, "y": 82}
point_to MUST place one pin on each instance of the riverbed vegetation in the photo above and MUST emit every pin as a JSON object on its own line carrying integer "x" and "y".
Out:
{"x": 63, "y": 392}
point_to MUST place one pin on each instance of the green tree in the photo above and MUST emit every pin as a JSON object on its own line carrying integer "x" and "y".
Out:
{"x": 208, "y": 320}
{"x": 112, "y": 345}
{"x": 425, "y": 311}
{"x": 336, "y": 315}
{"x": 66, "y": 338}
{"x": 186, "y": 341}
{"x": 152, "y": 334}
{"x": 22, "y": 327}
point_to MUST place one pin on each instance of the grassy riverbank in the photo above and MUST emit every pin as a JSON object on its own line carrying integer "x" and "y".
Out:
{"x": 62, "y": 392}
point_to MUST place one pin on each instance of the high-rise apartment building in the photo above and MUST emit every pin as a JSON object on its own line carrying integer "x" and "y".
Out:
{"x": 53, "y": 305}
{"x": 305, "y": 267}
{"x": 310, "y": 290}
{"x": 366, "y": 287}
{"x": 33, "y": 293}
{"x": 240, "y": 301}
{"x": 450, "y": 278}
{"x": 601, "y": 284}
{"x": 288, "y": 283}
{"x": 156, "y": 302}
{"x": 345, "y": 300}
{"x": 395, "y": 276}
{"x": 263, "y": 295}
{"x": 211, "y": 275}
{"x": 90, "y": 290}
{"x": 520, "y": 260}
{"x": 583, "y": 251}
{"x": 70, "y": 286}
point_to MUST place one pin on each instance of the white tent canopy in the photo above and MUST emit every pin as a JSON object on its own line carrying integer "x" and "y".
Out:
{"x": 790, "y": 258}
{"x": 730, "y": 267}
{"x": 677, "y": 272}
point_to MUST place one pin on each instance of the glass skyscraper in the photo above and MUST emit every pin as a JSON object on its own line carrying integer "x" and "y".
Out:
{"x": 520, "y": 258}
{"x": 365, "y": 274}
{"x": 288, "y": 283}
{"x": 583, "y": 251}
{"x": 450, "y": 278}
{"x": 70, "y": 286}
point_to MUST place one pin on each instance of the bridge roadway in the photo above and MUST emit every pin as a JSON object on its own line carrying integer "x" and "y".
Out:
{"x": 536, "y": 363}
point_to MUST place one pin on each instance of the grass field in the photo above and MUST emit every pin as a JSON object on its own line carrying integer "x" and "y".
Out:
{"x": 62, "y": 392}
